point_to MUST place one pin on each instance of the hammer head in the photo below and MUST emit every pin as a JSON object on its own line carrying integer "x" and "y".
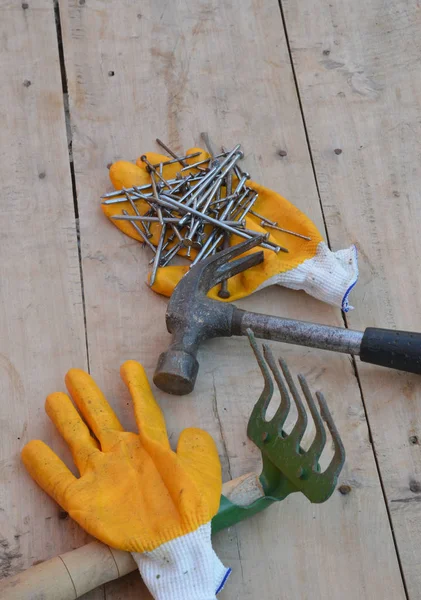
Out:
{"x": 193, "y": 317}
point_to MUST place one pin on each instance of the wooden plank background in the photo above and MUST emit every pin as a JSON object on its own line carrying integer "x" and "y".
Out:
{"x": 358, "y": 69}
{"x": 137, "y": 71}
{"x": 41, "y": 320}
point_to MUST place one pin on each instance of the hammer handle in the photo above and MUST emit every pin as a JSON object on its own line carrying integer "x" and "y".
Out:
{"x": 75, "y": 573}
{"x": 385, "y": 347}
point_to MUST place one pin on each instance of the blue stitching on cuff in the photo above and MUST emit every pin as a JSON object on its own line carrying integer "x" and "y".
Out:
{"x": 345, "y": 301}
{"x": 221, "y": 587}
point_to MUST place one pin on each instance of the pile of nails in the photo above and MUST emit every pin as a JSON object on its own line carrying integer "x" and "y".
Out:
{"x": 200, "y": 209}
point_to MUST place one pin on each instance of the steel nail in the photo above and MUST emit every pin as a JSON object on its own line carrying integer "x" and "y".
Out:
{"x": 145, "y": 219}
{"x": 152, "y": 169}
{"x": 240, "y": 185}
{"x": 240, "y": 173}
{"x": 204, "y": 204}
{"x": 170, "y": 255}
{"x": 224, "y": 292}
{"x": 164, "y": 200}
{"x": 249, "y": 206}
{"x": 119, "y": 192}
{"x": 175, "y": 160}
{"x": 228, "y": 184}
{"x": 134, "y": 207}
{"x": 170, "y": 152}
{"x": 177, "y": 233}
{"x": 299, "y": 235}
{"x": 206, "y": 180}
{"x": 158, "y": 255}
{"x": 253, "y": 212}
{"x": 202, "y": 162}
{"x": 140, "y": 232}
{"x": 210, "y": 148}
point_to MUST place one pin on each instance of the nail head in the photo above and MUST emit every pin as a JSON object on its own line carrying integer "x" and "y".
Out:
{"x": 26, "y": 83}
{"x": 344, "y": 489}
{"x": 282, "y": 153}
{"x": 224, "y": 294}
{"x": 338, "y": 151}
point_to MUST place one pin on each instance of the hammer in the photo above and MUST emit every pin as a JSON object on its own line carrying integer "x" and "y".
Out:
{"x": 192, "y": 317}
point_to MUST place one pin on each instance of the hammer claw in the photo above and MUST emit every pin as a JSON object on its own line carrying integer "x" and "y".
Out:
{"x": 216, "y": 268}
{"x": 230, "y": 269}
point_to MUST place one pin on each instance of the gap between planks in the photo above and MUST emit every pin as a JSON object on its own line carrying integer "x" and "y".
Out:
{"x": 68, "y": 121}
{"x": 352, "y": 358}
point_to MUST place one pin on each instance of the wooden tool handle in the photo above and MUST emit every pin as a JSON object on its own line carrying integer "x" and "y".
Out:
{"x": 75, "y": 573}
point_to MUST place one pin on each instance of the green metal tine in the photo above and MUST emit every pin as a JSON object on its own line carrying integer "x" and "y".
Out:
{"x": 319, "y": 441}
{"x": 338, "y": 459}
{"x": 267, "y": 393}
{"x": 301, "y": 424}
{"x": 285, "y": 405}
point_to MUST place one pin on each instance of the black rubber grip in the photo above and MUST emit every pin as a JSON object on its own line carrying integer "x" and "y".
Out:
{"x": 389, "y": 348}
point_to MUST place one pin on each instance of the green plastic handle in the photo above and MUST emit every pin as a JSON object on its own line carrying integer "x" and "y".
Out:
{"x": 229, "y": 514}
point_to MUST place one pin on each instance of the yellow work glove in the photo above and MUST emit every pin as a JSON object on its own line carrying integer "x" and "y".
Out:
{"x": 309, "y": 265}
{"x": 134, "y": 493}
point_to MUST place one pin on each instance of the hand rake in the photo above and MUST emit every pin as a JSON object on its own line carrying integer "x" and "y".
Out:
{"x": 287, "y": 467}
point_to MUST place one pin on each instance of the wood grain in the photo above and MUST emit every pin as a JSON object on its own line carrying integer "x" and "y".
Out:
{"x": 41, "y": 317}
{"x": 180, "y": 68}
{"x": 358, "y": 69}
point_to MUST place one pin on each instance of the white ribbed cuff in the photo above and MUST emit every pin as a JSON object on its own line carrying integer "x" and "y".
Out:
{"x": 185, "y": 568}
{"x": 328, "y": 276}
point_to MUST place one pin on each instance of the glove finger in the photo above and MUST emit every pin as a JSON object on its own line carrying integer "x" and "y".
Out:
{"x": 199, "y": 455}
{"x": 50, "y": 473}
{"x": 149, "y": 417}
{"x": 65, "y": 417}
{"x": 92, "y": 403}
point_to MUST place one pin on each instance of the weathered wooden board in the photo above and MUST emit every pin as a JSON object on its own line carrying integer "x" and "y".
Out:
{"x": 173, "y": 69}
{"x": 358, "y": 68}
{"x": 41, "y": 318}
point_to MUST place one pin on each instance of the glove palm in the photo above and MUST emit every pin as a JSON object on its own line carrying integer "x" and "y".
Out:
{"x": 134, "y": 492}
